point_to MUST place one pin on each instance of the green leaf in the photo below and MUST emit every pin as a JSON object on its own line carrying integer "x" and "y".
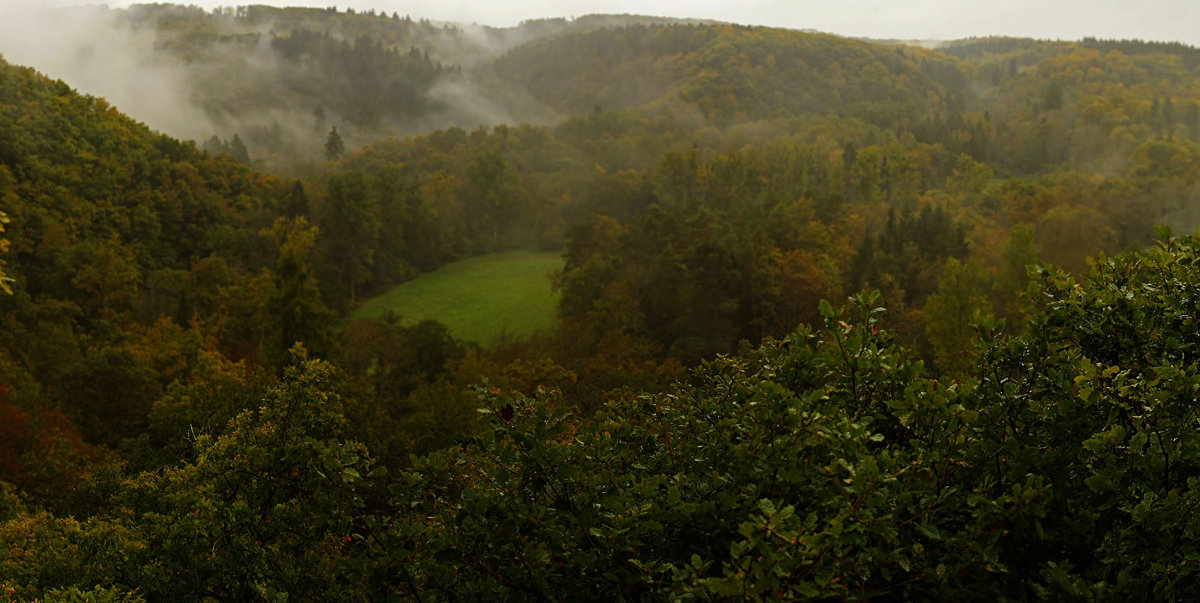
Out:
{"x": 826, "y": 309}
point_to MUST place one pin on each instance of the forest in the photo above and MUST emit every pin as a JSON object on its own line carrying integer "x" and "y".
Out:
{"x": 835, "y": 318}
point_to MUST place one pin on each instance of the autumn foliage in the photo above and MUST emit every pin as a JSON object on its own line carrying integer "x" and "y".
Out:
{"x": 835, "y": 319}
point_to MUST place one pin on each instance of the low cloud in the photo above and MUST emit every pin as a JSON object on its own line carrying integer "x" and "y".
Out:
{"x": 91, "y": 51}
{"x": 238, "y": 82}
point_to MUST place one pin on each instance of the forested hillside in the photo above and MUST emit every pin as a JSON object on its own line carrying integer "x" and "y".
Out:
{"x": 279, "y": 79}
{"x": 835, "y": 318}
{"x": 729, "y": 73}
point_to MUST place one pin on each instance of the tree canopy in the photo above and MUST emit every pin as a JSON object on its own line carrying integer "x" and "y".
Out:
{"x": 835, "y": 318}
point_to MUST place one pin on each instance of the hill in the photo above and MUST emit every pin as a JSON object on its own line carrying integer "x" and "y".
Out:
{"x": 728, "y": 73}
{"x": 120, "y": 235}
{"x": 188, "y": 409}
{"x": 281, "y": 78}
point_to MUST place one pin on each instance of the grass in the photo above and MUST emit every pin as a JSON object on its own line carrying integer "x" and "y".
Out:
{"x": 478, "y": 299}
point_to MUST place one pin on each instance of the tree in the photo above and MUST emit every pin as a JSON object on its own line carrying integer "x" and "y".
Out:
{"x": 804, "y": 280}
{"x": 214, "y": 145}
{"x": 1168, "y": 116}
{"x": 1110, "y": 364}
{"x": 350, "y": 226}
{"x": 266, "y": 508}
{"x": 950, "y": 313}
{"x": 319, "y": 119}
{"x": 969, "y": 177}
{"x": 295, "y": 303}
{"x": 1016, "y": 257}
{"x": 849, "y": 160}
{"x": 334, "y": 147}
{"x": 297, "y": 201}
{"x": 238, "y": 149}
{"x": 1052, "y": 97}
{"x": 493, "y": 194}
{"x": 104, "y": 277}
{"x": 1191, "y": 119}
{"x": 4, "y": 278}
{"x": 1067, "y": 235}
{"x": 626, "y": 505}
{"x": 43, "y": 455}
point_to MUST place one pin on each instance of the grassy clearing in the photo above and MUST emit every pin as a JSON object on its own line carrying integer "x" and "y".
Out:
{"x": 478, "y": 298}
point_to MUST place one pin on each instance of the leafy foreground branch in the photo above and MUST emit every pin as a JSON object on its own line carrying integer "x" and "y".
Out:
{"x": 826, "y": 465}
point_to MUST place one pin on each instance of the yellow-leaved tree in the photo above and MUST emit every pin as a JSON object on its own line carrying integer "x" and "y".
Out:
{"x": 960, "y": 301}
{"x": 3, "y": 248}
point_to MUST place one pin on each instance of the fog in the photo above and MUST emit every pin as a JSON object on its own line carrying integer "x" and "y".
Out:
{"x": 87, "y": 48}
{"x": 236, "y": 83}
{"x": 225, "y": 77}
{"x": 1163, "y": 20}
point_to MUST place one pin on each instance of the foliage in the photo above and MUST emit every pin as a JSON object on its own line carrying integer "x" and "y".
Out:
{"x": 334, "y": 147}
{"x": 267, "y": 508}
{"x": 952, "y": 311}
{"x": 727, "y": 73}
{"x": 169, "y": 429}
{"x": 4, "y": 243}
{"x": 1062, "y": 470}
{"x": 646, "y": 499}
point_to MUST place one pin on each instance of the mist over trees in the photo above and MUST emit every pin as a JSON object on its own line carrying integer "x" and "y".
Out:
{"x": 835, "y": 318}
{"x": 262, "y": 72}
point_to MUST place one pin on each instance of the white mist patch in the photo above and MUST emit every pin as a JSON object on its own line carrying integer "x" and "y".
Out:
{"x": 87, "y": 48}
{"x": 194, "y": 74}
{"x": 467, "y": 104}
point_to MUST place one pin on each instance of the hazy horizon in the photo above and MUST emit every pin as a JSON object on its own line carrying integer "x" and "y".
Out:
{"x": 96, "y": 54}
{"x": 1169, "y": 20}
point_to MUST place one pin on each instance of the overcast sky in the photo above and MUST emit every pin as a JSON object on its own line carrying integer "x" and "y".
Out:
{"x": 1177, "y": 20}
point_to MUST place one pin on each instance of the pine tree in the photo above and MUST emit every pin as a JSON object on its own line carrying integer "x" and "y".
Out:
{"x": 1168, "y": 116}
{"x": 297, "y": 203}
{"x": 334, "y": 147}
{"x": 319, "y": 119}
{"x": 238, "y": 149}
{"x": 213, "y": 145}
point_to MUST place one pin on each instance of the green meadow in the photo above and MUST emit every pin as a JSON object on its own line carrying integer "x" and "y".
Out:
{"x": 480, "y": 298}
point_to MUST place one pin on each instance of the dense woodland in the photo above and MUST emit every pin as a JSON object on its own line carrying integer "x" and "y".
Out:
{"x": 837, "y": 318}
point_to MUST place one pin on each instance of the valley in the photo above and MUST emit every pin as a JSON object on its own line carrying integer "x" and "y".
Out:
{"x": 330, "y": 303}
